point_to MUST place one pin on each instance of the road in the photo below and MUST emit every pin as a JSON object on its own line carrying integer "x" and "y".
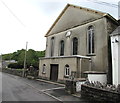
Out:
{"x": 15, "y": 88}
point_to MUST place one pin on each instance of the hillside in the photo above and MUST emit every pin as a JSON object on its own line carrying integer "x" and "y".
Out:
{"x": 32, "y": 58}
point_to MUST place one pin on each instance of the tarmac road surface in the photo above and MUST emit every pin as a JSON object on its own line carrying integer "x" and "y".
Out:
{"x": 15, "y": 88}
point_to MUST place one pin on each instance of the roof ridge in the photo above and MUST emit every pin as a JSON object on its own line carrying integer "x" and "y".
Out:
{"x": 88, "y": 9}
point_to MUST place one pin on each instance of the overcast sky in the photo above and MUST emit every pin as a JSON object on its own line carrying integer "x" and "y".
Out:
{"x": 24, "y": 21}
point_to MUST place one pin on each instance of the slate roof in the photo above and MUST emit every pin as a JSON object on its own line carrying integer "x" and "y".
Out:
{"x": 116, "y": 31}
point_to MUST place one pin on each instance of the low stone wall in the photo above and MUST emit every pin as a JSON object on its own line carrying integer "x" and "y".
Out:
{"x": 13, "y": 71}
{"x": 97, "y": 94}
{"x": 19, "y": 72}
{"x": 70, "y": 86}
{"x": 74, "y": 86}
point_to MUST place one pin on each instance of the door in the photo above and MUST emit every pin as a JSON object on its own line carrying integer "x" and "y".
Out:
{"x": 53, "y": 72}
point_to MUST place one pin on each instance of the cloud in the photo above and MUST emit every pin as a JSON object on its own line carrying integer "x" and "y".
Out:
{"x": 38, "y": 16}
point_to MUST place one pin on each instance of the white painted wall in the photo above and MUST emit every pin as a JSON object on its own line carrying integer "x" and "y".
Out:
{"x": 78, "y": 85}
{"x": 102, "y": 78}
{"x": 115, "y": 46}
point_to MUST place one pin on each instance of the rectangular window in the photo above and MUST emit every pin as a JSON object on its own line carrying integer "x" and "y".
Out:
{"x": 90, "y": 41}
{"x": 67, "y": 71}
{"x": 52, "y": 46}
{"x": 44, "y": 69}
{"x": 62, "y": 48}
{"x": 75, "y": 46}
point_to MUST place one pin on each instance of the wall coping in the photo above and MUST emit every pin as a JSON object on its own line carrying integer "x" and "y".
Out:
{"x": 105, "y": 90}
{"x": 73, "y": 56}
{"x": 94, "y": 72}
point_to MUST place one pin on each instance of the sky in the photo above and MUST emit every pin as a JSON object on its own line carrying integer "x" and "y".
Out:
{"x": 24, "y": 21}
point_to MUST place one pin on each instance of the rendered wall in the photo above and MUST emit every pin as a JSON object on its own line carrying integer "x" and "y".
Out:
{"x": 73, "y": 63}
{"x": 115, "y": 59}
{"x": 102, "y": 78}
{"x": 99, "y": 59}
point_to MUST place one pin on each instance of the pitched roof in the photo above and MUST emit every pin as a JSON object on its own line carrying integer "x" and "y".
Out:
{"x": 83, "y": 8}
{"x": 116, "y": 31}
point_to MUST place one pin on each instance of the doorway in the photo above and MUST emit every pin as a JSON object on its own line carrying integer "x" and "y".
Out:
{"x": 54, "y": 72}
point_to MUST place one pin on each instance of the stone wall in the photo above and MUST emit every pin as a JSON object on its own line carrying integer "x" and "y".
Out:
{"x": 19, "y": 72}
{"x": 70, "y": 86}
{"x": 13, "y": 71}
{"x": 97, "y": 94}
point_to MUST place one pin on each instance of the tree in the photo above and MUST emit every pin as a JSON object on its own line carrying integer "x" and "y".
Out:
{"x": 32, "y": 58}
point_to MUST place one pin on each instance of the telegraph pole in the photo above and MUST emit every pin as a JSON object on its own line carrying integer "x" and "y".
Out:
{"x": 25, "y": 60}
{"x": 1, "y": 62}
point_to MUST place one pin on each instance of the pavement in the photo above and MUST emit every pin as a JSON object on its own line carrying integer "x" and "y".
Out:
{"x": 56, "y": 83}
{"x": 61, "y": 94}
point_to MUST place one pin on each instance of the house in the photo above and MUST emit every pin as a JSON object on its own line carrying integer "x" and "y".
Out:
{"x": 5, "y": 63}
{"x": 115, "y": 46}
{"x": 78, "y": 41}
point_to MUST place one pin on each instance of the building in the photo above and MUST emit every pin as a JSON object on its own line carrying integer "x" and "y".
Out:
{"x": 78, "y": 41}
{"x": 5, "y": 63}
{"x": 115, "y": 45}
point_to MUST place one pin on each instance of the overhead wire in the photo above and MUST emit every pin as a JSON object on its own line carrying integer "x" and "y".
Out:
{"x": 15, "y": 16}
{"x": 95, "y": 1}
{"x": 105, "y": 3}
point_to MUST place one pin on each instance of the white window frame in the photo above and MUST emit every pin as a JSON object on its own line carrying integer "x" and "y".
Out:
{"x": 44, "y": 69}
{"x": 67, "y": 71}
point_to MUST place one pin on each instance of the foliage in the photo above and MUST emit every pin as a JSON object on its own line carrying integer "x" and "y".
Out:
{"x": 32, "y": 58}
{"x": 15, "y": 65}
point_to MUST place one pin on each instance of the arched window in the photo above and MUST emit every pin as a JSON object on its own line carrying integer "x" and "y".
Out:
{"x": 75, "y": 46}
{"x": 61, "y": 48}
{"x": 67, "y": 70}
{"x": 52, "y": 46}
{"x": 44, "y": 69}
{"x": 90, "y": 40}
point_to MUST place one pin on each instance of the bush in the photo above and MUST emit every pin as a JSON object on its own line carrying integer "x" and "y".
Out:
{"x": 15, "y": 66}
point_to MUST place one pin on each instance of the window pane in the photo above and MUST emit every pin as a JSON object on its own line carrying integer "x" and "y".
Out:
{"x": 93, "y": 43}
{"x": 89, "y": 43}
{"x": 62, "y": 48}
{"x": 67, "y": 70}
{"x": 43, "y": 71}
{"x": 90, "y": 40}
{"x": 52, "y": 46}
{"x": 75, "y": 46}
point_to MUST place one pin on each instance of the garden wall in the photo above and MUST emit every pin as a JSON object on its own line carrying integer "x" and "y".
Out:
{"x": 19, "y": 72}
{"x": 13, "y": 71}
{"x": 98, "y": 94}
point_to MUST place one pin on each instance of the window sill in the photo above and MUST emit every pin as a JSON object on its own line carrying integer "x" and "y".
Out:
{"x": 43, "y": 73}
{"x": 66, "y": 76}
{"x": 91, "y": 55}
